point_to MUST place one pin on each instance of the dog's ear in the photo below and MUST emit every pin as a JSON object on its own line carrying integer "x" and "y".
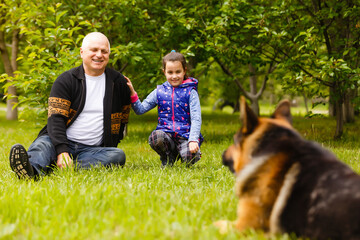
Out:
{"x": 248, "y": 117}
{"x": 283, "y": 111}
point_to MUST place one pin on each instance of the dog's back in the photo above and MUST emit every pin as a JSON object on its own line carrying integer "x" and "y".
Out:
{"x": 287, "y": 184}
{"x": 324, "y": 202}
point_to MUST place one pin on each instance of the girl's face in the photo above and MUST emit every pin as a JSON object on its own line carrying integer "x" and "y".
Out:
{"x": 174, "y": 73}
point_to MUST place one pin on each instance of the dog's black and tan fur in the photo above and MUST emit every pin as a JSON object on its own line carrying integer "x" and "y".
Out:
{"x": 286, "y": 184}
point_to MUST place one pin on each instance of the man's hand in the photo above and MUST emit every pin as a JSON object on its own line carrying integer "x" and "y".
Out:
{"x": 64, "y": 160}
{"x": 193, "y": 147}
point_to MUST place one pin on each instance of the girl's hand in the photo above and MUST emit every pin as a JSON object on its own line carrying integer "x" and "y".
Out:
{"x": 129, "y": 83}
{"x": 193, "y": 147}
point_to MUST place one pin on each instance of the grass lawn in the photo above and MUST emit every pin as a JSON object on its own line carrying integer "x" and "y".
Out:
{"x": 141, "y": 200}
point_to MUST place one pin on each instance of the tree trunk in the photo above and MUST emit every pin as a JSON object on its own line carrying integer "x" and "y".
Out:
{"x": 255, "y": 106}
{"x": 253, "y": 90}
{"x": 10, "y": 67}
{"x": 305, "y": 103}
{"x": 253, "y": 95}
{"x": 339, "y": 119}
{"x": 11, "y": 113}
{"x": 348, "y": 107}
{"x": 332, "y": 108}
{"x": 357, "y": 109}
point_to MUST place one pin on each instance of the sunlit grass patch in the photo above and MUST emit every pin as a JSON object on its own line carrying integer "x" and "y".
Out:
{"x": 140, "y": 200}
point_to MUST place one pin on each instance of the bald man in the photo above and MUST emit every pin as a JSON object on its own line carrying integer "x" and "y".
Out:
{"x": 89, "y": 107}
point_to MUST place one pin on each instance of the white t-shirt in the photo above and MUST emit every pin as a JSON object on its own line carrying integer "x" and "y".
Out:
{"x": 88, "y": 127}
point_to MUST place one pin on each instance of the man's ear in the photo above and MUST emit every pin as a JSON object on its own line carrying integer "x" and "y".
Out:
{"x": 81, "y": 52}
{"x": 283, "y": 111}
{"x": 247, "y": 117}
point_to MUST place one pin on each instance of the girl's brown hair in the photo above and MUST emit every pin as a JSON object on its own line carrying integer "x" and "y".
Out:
{"x": 174, "y": 56}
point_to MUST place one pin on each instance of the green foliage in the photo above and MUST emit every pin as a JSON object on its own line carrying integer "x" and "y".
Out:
{"x": 232, "y": 36}
{"x": 222, "y": 88}
{"x": 51, "y": 50}
{"x": 317, "y": 43}
{"x": 313, "y": 46}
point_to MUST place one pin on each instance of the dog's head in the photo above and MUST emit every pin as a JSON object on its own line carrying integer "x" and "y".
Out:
{"x": 253, "y": 128}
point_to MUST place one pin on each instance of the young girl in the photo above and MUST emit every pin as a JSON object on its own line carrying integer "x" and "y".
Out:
{"x": 177, "y": 134}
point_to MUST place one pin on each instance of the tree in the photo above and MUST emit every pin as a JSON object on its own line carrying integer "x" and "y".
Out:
{"x": 11, "y": 14}
{"x": 53, "y": 36}
{"x": 321, "y": 40}
{"x": 301, "y": 43}
{"x": 50, "y": 49}
{"x": 232, "y": 35}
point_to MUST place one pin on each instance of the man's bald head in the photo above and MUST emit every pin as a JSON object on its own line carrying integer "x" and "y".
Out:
{"x": 95, "y": 51}
{"x": 93, "y": 36}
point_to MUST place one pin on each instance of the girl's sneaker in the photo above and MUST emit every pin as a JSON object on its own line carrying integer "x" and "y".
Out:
{"x": 168, "y": 160}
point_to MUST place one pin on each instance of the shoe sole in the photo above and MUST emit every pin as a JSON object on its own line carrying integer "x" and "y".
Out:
{"x": 19, "y": 162}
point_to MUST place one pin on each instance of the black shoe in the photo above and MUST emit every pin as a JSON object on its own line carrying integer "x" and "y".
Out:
{"x": 168, "y": 160}
{"x": 19, "y": 162}
{"x": 164, "y": 161}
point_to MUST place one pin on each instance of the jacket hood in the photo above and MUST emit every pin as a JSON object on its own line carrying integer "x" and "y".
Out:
{"x": 190, "y": 81}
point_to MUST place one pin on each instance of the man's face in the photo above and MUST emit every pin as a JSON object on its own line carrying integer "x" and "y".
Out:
{"x": 95, "y": 54}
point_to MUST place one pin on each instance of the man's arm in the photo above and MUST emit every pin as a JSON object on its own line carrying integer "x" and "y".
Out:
{"x": 58, "y": 113}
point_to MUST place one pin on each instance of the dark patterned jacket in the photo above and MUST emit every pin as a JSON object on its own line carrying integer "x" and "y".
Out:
{"x": 67, "y": 100}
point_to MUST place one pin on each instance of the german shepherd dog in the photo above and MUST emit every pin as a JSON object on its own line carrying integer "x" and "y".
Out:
{"x": 286, "y": 184}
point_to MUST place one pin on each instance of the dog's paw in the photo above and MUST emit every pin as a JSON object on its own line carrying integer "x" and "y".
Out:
{"x": 224, "y": 226}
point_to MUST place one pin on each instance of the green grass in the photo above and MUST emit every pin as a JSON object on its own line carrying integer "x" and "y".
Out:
{"x": 141, "y": 200}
